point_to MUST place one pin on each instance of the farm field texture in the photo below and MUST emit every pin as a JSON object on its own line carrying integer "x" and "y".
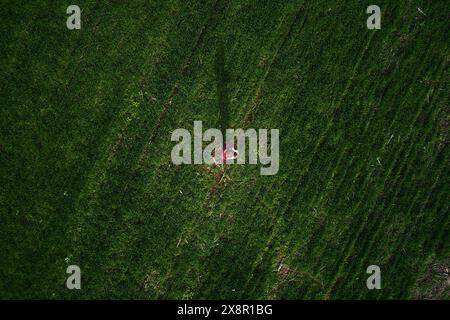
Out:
{"x": 86, "y": 176}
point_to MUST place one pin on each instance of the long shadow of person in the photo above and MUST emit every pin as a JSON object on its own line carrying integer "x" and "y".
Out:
{"x": 222, "y": 90}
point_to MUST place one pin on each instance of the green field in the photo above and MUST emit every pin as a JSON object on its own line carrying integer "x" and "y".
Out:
{"x": 86, "y": 176}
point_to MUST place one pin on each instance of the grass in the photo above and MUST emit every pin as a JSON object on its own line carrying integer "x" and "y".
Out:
{"x": 86, "y": 175}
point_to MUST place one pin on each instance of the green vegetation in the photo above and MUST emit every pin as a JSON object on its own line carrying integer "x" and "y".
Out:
{"x": 86, "y": 176}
